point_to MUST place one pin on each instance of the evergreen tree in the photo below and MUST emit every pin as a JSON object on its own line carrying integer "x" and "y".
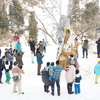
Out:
{"x": 32, "y": 26}
{"x": 75, "y": 11}
{"x": 91, "y": 11}
{"x": 3, "y": 19}
{"x": 15, "y": 13}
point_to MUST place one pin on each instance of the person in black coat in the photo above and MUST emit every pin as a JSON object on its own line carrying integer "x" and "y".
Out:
{"x": 98, "y": 47}
{"x": 45, "y": 77}
{"x": 6, "y": 51}
{"x": 2, "y": 66}
{"x": 32, "y": 48}
{"x": 0, "y": 52}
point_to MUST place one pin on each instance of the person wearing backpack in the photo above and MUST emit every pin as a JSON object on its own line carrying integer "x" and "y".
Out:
{"x": 74, "y": 59}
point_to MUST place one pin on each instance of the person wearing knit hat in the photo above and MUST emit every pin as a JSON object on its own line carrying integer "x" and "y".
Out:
{"x": 98, "y": 61}
{"x": 97, "y": 71}
{"x": 77, "y": 82}
{"x": 73, "y": 58}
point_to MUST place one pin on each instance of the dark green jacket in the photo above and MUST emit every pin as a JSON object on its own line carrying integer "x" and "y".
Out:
{"x": 85, "y": 44}
{"x": 19, "y": 59}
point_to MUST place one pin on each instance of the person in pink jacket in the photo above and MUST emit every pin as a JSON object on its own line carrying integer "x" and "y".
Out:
{"x": 16, "y": 71}
{"x": 70, "y": 76}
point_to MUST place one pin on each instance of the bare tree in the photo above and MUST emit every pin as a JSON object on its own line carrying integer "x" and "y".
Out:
{"x": 53, "y": 11}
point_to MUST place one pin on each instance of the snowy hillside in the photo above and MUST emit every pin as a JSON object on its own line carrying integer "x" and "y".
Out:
{"x": 32, "y": 84}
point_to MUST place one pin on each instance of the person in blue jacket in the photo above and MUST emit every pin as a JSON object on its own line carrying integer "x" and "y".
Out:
{"x": 97, "y": 71}
{"x": 44, "y": 45}
{"x": 73, "y": 58}
{"x": 2, "y": 66}
{"x": 19, "y": 46}
{"x": 39, "y": 57}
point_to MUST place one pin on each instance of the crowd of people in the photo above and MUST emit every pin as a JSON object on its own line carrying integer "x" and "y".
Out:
{"x": 13, "y": 60}
{"x": 51, "y": 73}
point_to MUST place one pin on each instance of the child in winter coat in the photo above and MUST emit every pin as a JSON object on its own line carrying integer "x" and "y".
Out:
{"x": 97, "y": 71}
{"x": 51, "y": 70}
{"x": 45, "y": 78}
{"x": 77, "y": 82}
{"x": 70, "y": 76}
{"x": 7, "y": 76}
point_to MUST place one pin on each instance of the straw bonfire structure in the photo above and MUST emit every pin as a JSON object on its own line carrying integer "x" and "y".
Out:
{"x": 67, "y": 48}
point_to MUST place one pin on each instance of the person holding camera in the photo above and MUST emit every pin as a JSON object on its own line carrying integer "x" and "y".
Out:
{"x": 16, "y": 71}
{"x": 39, "y": 57}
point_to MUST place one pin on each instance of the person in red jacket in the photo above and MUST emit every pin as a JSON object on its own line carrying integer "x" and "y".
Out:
{"x": 15, "y": 37}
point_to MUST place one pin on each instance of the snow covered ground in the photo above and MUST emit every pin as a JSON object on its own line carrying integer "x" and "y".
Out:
{"x": 32, "y": 84}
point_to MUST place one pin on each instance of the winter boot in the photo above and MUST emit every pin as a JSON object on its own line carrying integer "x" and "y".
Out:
{"x": 86, "y": 55}
{"x": 47, "y": 89}
{"x": 58, "y": 91}
{"x": 70, "y": 90}
{"x": 21, "y": 93}
{"x": 1, "y": 82}
{"x": 52, "y": 91}
{"x": 44, "y": 88}
{"x": 98, "y": 55}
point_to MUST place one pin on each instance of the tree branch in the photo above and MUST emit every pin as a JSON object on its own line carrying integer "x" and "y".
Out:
{"x": 45, "y": 29}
